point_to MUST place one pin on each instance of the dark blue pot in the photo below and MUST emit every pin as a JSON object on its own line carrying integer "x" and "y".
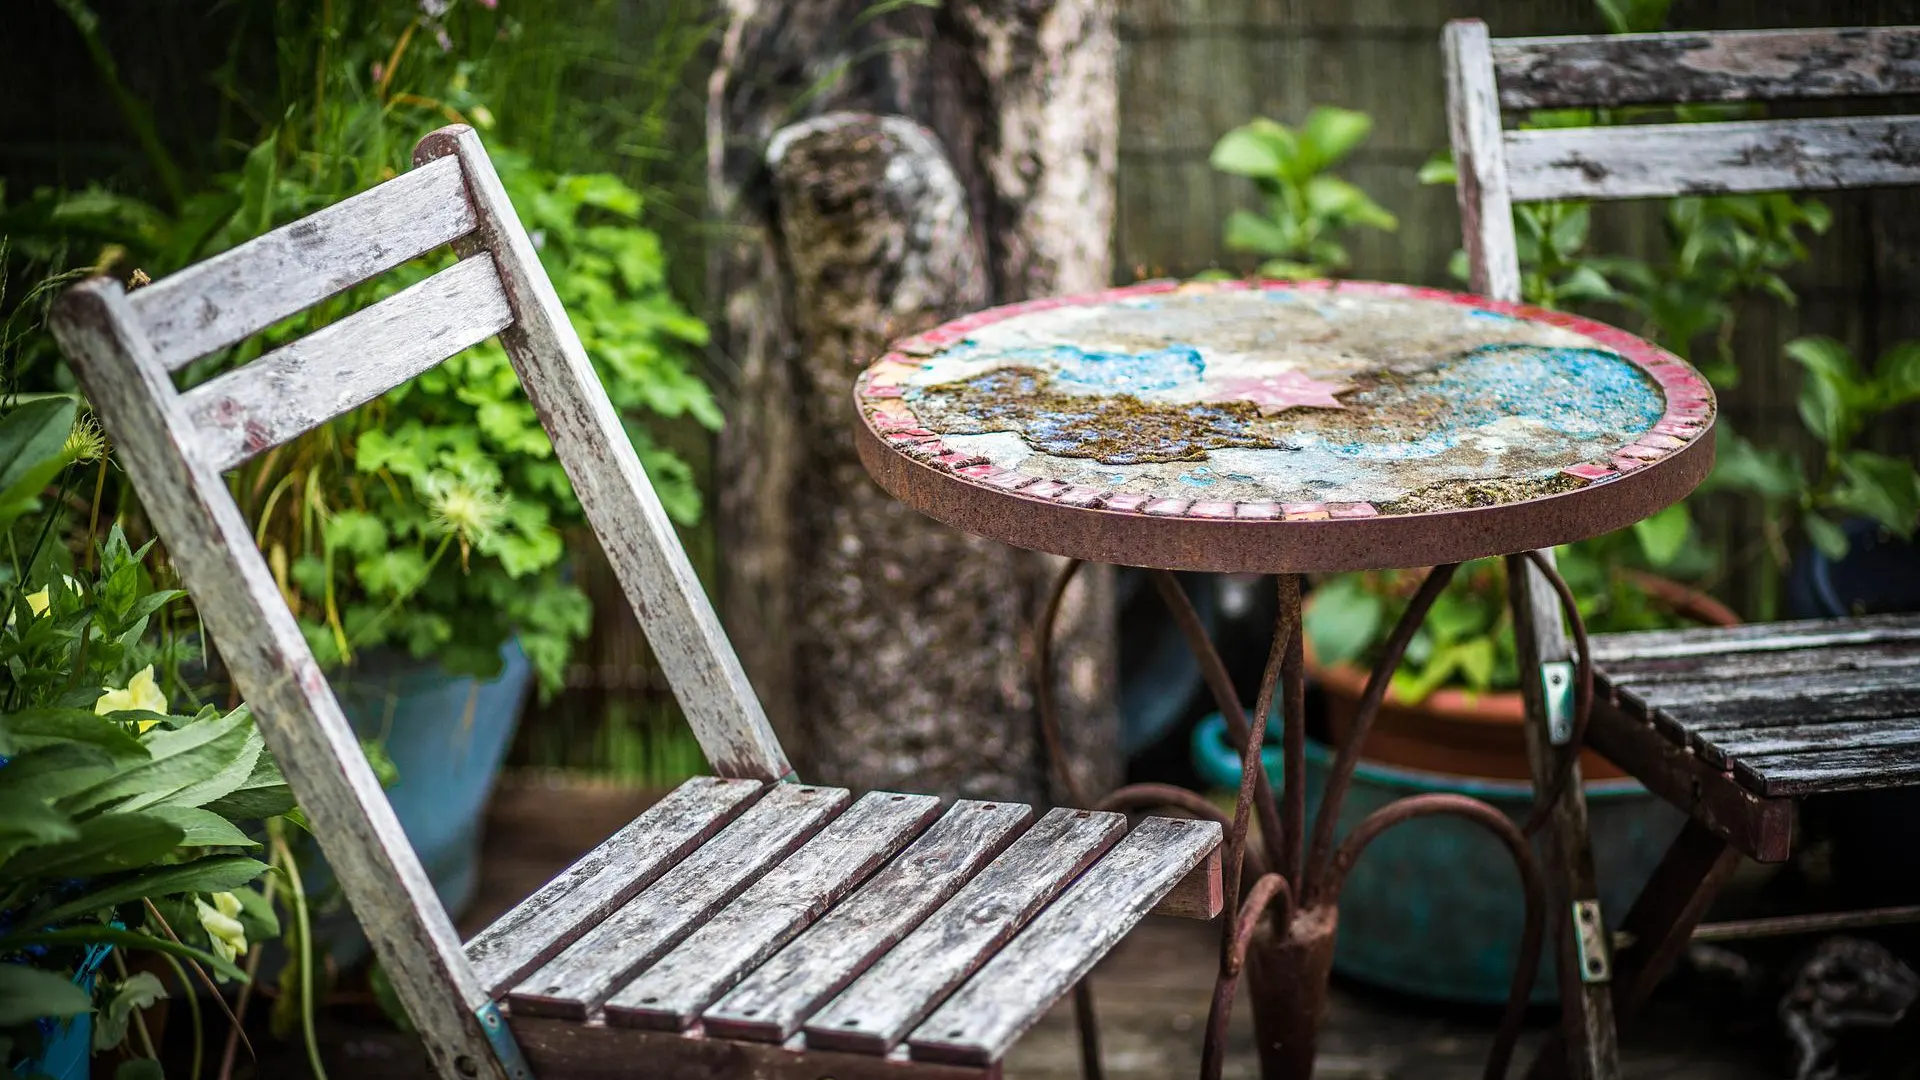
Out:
{"x": 447, "y": 736}
{"x": 1434, "y": 906}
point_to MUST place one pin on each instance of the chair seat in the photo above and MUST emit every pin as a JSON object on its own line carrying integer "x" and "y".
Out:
{"x": 738, "y": 922}
{"x": 1789, "y": 709}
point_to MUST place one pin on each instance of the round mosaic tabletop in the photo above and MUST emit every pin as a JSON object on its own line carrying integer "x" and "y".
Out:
{"x": 1282, "y": 427}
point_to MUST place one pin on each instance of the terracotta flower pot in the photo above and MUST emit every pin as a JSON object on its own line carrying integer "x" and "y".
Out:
{"x": 1467, "y": 734}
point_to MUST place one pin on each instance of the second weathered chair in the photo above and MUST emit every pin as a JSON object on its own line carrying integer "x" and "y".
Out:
{"x": 746, "y": 925}
{"x": 1730, "y": 725}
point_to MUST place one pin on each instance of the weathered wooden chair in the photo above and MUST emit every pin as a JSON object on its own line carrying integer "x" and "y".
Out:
{"x": 1731, "y": 725}
{"x": 743, "y": 925}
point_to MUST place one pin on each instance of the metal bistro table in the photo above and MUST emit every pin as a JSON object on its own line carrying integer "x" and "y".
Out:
{"x": 1294, "y": 428}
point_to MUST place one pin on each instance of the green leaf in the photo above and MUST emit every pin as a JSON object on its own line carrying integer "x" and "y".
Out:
{"x": 140, "y": 990}
{"x": 1634, "y": 16}
{"x": 1568, "y": 233}
{"x": 1664, "y": 536}
{"x": 101, "y": 933}
{"x": 215, "y": 873}
{"x": 1827, "y": 537}
{"x": 264, "y": 794}
{"x": 1331, "y": 133}
{"x": 1249, "y": 151}
{"x": 139, "y": 1069}
{"x": 26, "y": 821}
{"x": 1290, "y": 270}
{"x": 1585, "y": 283}
{"x": 1439, "y": 169}
{"x": 28, "y": 994}
{"x": 1883, "y": 488}
{"x": 1741, "y": 466}
{"x": 104, "y": 845}
{"x": 1247, "y": 231}
{"x": 219, "y": 785}
{"x": 355, "y": 531}
{"x": 183, "y": 758}
{"x": 33, "y": 433}
{"x": 1898, "y": 375}
{"x": 54, "y": 772}
{"x": 203, "y": 828}
{"x": 1343, "y": 620}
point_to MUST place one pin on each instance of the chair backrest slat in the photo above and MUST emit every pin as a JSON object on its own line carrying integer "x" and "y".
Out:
{"x": 1651, "y": 160}
{"x": 246, "y": 289}
{"x": 1747, "y": 65}
{"x": 306, "y": 383}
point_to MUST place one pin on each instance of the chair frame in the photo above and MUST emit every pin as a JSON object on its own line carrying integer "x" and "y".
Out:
{"x": 1498, "y": 168}
{"x": 176, "y": 446}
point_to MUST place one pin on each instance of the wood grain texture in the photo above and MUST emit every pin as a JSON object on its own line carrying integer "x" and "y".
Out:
{"x": 1479, "y": 153}
{"x": 907, "y": 983}
{"x": 211, "y": 546}
{"x": 671, "y": 994}
{"x": 215, "y": 303}
{"x": 1657, "y": 645}
{"x": 305, "y": 383}
{"x": 574, "y": 983}
{"x": 1004, "y": 998}
{"x": 1741, "y": 65}
{"x": 1586, "y": 1022}
{"x": 1832, "y": 667}
{"x": 605, "y": 878}
{"x": 571, "y": 1050}
{"x": 770, "y": 1004}
{"x": 1201, "y": 894}
{"x": 613, "y": 489}
{"x": 1830, "y": 769}
{"x": 1762, "y": 829}
{"x": 1650, "y": 160}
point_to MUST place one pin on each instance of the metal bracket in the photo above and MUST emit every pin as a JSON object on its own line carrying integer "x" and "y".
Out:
{"x": 1556, "y": 683}
{"x": 1590, "y": 939}
{"x": 500, "y": 1037}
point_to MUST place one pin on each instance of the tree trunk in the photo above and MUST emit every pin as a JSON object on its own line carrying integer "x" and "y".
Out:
{"x": 892, "y": 651}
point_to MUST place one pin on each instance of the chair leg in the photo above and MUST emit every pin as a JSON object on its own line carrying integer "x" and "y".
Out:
{"x": 1587, "y": 1041}
{"x": 1658, "y": 928}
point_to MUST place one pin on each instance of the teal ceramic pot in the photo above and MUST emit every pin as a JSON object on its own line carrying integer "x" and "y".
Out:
{"x": 447, "y": 736}
{"x": 1434, "y": 905}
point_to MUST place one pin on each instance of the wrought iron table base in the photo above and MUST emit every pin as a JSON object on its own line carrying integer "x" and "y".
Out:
{"x": 1282, "y": 915}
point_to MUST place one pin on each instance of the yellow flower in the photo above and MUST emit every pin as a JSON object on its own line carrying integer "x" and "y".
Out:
{"x": 140, "y": 694}
{"x": 39, "y": 601}
{"x": 221, "y": 921}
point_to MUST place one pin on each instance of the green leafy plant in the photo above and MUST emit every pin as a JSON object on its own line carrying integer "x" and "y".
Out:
{"x": 431, "y": 522}
{"x": 1306, "y": 206}
{"x": 121, "y": 820}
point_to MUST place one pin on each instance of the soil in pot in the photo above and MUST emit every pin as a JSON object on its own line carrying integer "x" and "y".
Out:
{"x": 1467, "y": 734}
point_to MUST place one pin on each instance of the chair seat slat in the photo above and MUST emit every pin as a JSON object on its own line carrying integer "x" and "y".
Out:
{"x": 1816, "y": 739}
{"x": 669, "y": 995}
{"x": 1791, "y": 706}
{"x": 346, "y": 364}
{"x": 769, "y": 1005}
{"x": 1659, "y": 160}
{"x": 1746, "y": 666}
{"x": 1742, "y": 65}
{"x": 910, "y": 980}
{"x": 575, "y": 982}
{"x": 1833, "y": 770}
{"x": 605, "y": 878}
{"x": 215, "y": 303}
{"x": 1729, "y": 683}
{"x": 1004, "y": 998}
{"x": 1611, "y": 649}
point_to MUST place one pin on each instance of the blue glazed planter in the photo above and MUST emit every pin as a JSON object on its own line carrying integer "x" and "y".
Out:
{"x": 1434, "y": 906}
{"x": 66, "y": 1047}
{"x": 447, "y": 737}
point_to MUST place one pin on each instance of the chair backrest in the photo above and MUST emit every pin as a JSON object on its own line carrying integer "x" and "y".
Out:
{"x": 1499, "y": 168}
{"x": 175, "y": 446}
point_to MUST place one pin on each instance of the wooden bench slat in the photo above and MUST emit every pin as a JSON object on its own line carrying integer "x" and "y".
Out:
{"x": 1612, "y": 649}
{"x": 1816, "y": 739}
{"x": 1735, "y": 669}
{"x": 296, "y": 266}
{"x": 769, "y": 1005}
{"x": 1838, "y": 769}
{"x": 1743, "y": 65}
{"x": 576, "y": 981}
{"x": 1686, "y": 701}
{"x": 1789, "y": 708}
{"x": 1005, "y": 998}
{"x": 305, "y": 383}
{"x": 605, "y": 878}
{"x": 671, "y": 993}
{"x": 1659, "y": 160}
{"x": 910, "y": 980}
